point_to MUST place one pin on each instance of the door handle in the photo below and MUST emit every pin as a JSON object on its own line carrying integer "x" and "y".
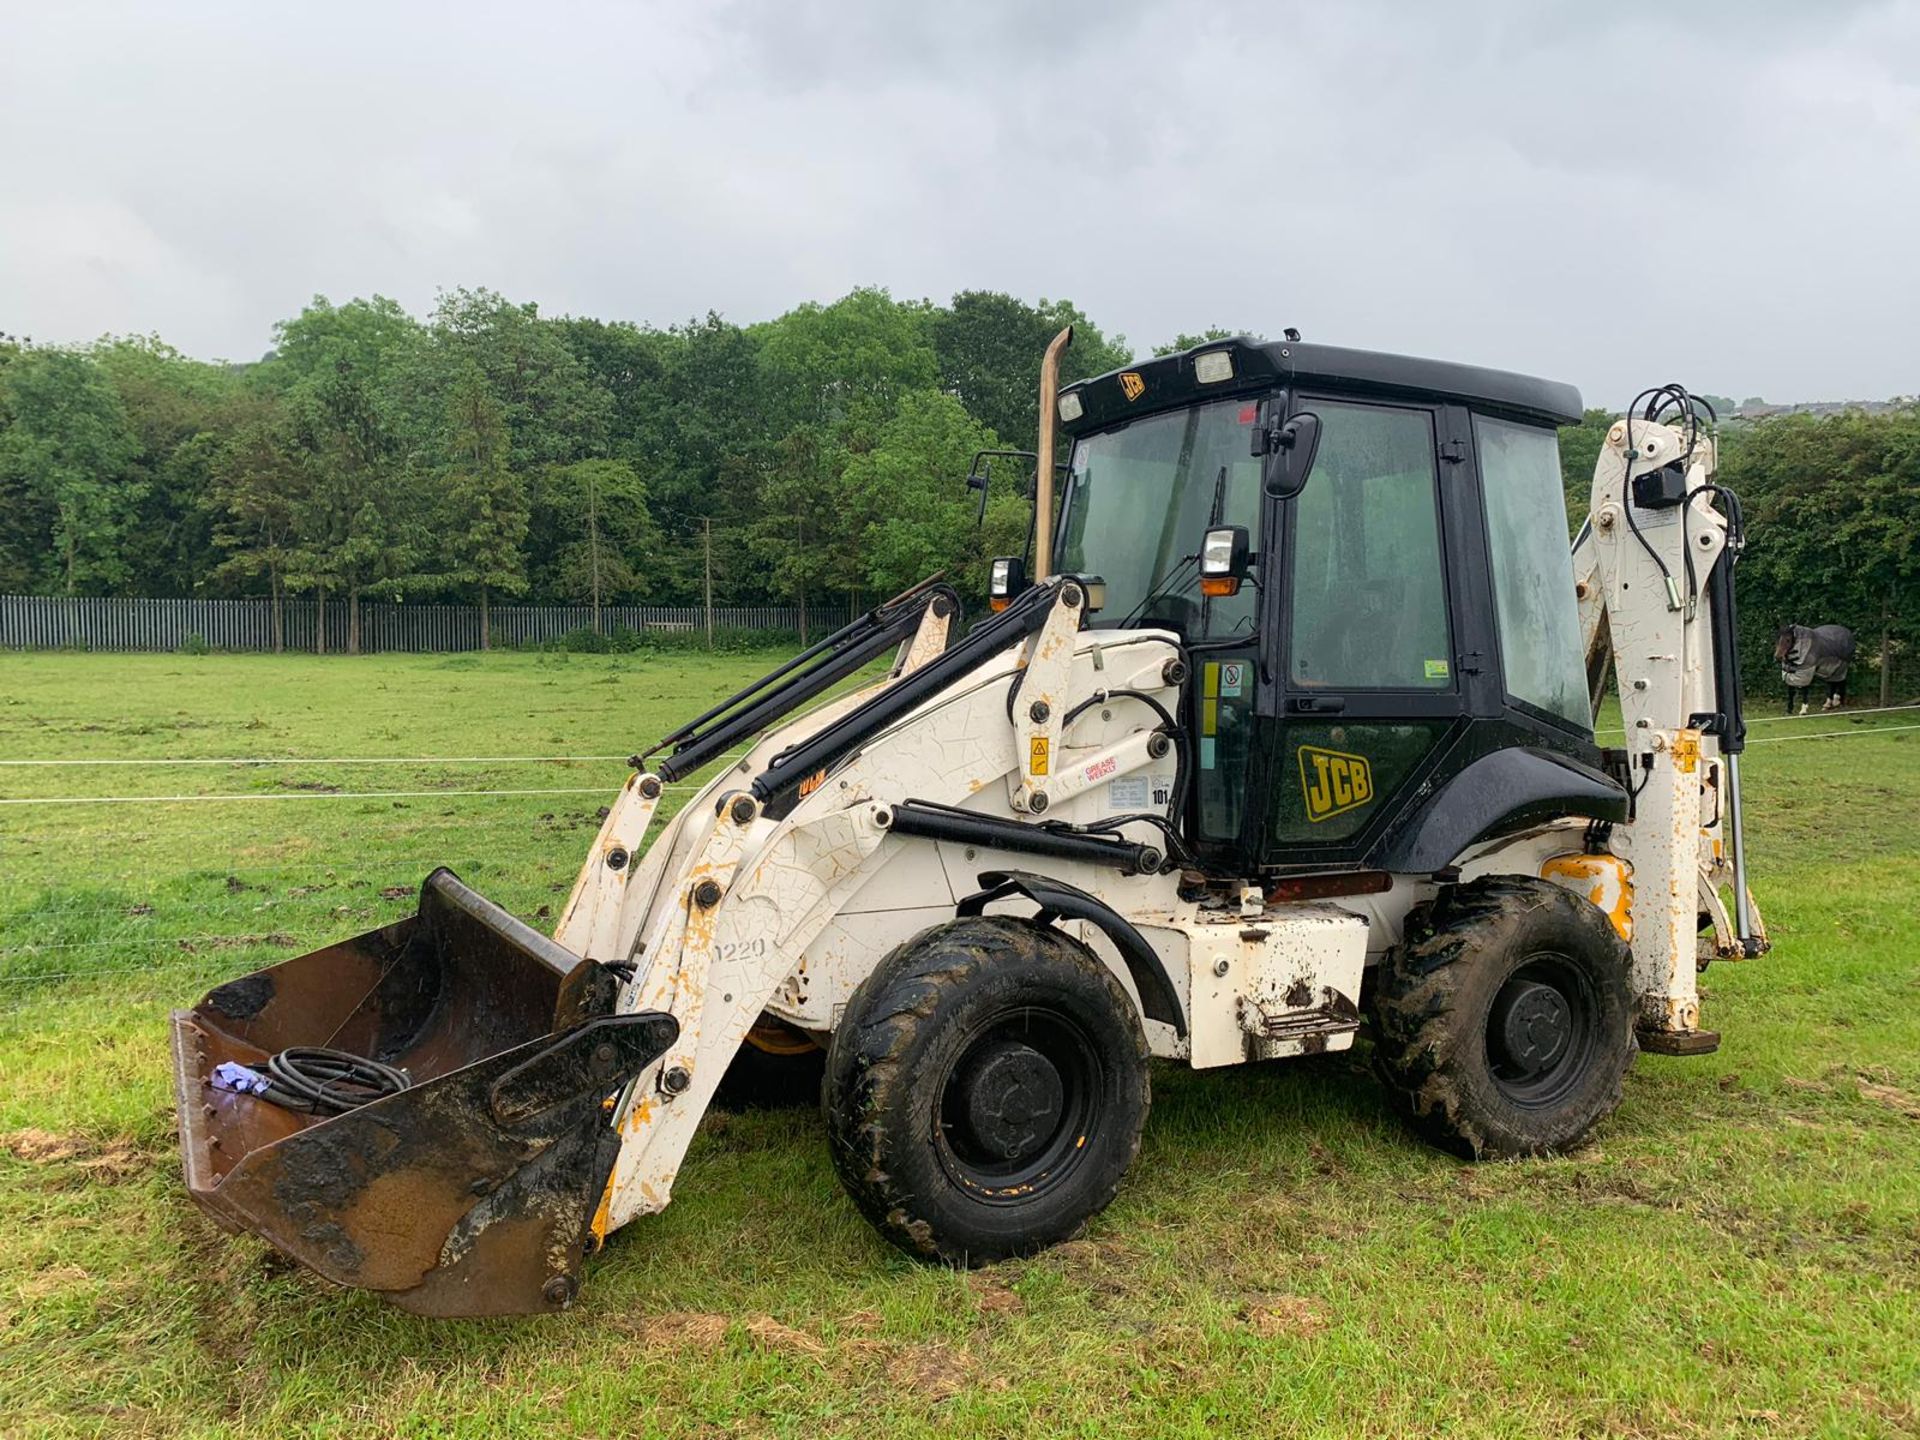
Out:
{"x": 1319, "y": 704}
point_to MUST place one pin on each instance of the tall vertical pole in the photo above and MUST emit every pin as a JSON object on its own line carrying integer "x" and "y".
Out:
{"x": 1886, "y": 651}
{"x": 706, "y": 530}
{"x": 1043, "y": 455}
{"x": 593, "y": 543}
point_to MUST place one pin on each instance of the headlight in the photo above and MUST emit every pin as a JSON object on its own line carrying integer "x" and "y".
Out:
{"x": 1224, "y": 555}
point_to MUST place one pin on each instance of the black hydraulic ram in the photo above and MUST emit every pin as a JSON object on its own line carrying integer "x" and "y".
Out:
{"x": 1728, "y": 722}
{"x": 783, "y": 776}
{"x": 991, "y": 832}
{"x": 817, "y": 668}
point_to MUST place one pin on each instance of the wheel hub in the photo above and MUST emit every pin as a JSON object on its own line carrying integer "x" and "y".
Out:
{"x": 1531, "y": 1028}
{"x": 1014, "y": 1100}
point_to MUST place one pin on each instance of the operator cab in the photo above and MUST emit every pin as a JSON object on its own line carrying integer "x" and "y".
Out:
{"x": 1366, "y": 558}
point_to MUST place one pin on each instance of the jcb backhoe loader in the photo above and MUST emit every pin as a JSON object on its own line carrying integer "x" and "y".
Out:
{"x": 1289, "y": 734}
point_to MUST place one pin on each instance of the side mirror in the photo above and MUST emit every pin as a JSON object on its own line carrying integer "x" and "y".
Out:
{"x": 1289, "y": 449}
{"x": 1006, "y": 578}
{"x": 1224, "y": 557}
{"x": 979, "y": 477}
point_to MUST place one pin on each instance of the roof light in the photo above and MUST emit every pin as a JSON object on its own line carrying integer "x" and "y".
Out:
{"x": 1213, "y": 367}
{"x": 1070, "y": 407}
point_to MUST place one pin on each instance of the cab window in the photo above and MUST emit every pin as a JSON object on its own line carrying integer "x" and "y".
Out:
{"x": 1369, "y": 604}
{"x": 1139, "y": 499}
{"x": 1533, "y": 596}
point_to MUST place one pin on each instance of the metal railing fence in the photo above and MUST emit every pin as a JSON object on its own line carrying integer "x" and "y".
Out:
{"x": 62, "y": 622}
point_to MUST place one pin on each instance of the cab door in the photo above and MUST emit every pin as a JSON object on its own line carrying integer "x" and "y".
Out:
{"x": 1368, "y": 686}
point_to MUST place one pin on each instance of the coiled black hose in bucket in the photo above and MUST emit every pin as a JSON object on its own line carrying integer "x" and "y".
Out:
{"x": 315, "y": 1079}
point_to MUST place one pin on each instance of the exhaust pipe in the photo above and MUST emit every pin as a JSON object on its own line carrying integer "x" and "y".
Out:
{"x": 1043, "y": 455}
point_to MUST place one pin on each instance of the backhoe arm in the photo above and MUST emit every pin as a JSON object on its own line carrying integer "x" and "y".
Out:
{"x": 1653, "y": 570}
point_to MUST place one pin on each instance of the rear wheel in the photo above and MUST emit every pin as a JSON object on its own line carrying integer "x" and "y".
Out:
{"x": 1503, "y": 1022}
{"x": 986, "y": 1092}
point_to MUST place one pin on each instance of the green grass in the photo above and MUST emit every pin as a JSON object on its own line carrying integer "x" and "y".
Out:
{"x": 1737, "y": 1254}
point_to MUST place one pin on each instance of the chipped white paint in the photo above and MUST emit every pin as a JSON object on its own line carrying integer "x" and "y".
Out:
{"x": 590, "y": 923}
{"x": 1282, "y": 981}
{"x": 927, "y": 643}
{"x": 1663, "y": 666}
{"x": 1040, "y": 701}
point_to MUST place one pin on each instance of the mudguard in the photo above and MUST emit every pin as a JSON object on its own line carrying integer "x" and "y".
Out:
{"x": 1158, "y": 999}
{"x": 1504, "y": 791}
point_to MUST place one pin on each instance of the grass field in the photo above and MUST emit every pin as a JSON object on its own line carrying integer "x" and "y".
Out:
{"x": 1737, "y": 1254}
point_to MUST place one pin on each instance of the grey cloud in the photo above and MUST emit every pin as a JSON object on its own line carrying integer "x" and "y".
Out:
{"x": 1723, "y": 194}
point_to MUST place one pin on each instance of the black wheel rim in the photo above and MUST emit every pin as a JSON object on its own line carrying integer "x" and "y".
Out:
{"x": 1018, "y": 1106}
{"x": 1542, "y": 1030}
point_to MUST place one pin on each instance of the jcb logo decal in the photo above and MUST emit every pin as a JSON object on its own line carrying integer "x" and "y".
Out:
{"x": 1333, "y": 782}
{"x": 1131, "y": 385}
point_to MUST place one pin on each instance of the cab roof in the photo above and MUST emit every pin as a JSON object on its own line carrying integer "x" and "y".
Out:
{"x": 1170, "y": 380}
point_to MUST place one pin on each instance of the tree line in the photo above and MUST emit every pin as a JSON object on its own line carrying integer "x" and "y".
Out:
{"x": 487, "y": 452}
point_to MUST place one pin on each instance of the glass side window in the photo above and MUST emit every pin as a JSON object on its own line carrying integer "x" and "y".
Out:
{"x": 1369, "y": 594}
{"x": 1225, "y": 742}
{"x": 1532, "y": 567}
{"x": 1138, "y": 500}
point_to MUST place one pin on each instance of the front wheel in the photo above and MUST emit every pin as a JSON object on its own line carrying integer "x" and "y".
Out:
{"x": 1503, "y": 1022}
{"x": 986, "y": 1091}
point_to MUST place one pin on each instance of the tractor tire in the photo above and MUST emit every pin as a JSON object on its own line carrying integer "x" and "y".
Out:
{"x": 776, "y": 1068}
{"x": 1503, "y": 1021}
{"x": 986, "y": 1091}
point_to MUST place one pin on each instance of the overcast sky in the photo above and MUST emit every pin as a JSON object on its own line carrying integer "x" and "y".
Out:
{"x": 1723, "y": 194}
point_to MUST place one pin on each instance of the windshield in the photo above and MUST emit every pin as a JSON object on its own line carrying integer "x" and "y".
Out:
{"x": 1139, "y": 499}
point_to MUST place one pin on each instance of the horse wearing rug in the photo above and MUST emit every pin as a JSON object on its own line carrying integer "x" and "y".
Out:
{"x": 1814, "y": 652}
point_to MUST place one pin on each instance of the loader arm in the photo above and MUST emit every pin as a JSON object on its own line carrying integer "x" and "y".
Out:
{"x": 614, "y": 887}
{"x": 754, "y": 878}
{"x": 1653, "y": 569}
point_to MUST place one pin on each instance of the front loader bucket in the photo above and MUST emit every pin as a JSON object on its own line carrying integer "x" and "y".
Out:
{"x": 472, "y": 1192}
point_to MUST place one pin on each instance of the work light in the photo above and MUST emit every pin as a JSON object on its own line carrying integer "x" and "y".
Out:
{"x": 1006, "y": 578}
{"x": 1213, "y": 367}
{"x": 1223, "y": 560}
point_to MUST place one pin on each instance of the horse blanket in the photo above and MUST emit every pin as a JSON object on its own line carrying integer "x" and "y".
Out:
{"x": 1818, "y": 652}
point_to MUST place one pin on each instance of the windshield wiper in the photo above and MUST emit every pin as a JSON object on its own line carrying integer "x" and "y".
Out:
{"x": 1174, "y": 576}
{"x": 1167, "y": 587}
